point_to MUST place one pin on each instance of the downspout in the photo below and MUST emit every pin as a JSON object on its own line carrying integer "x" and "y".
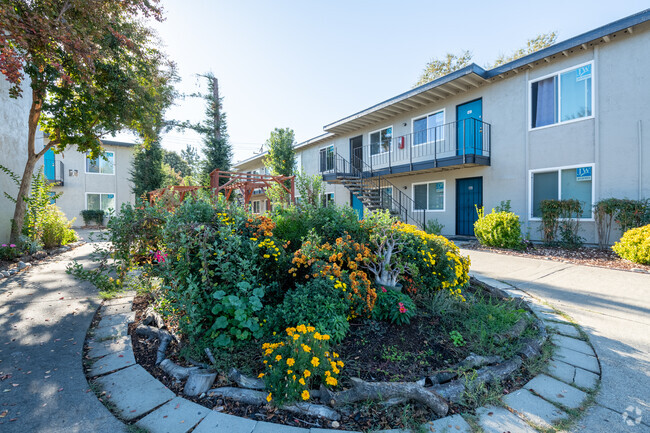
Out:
{"x": 597, "y": 167}
{"x": 526, "y": 156}
{"x": 640, "y": 143}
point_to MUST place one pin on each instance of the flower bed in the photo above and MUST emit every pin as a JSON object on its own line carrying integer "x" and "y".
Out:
{"x": 306, "y": 304}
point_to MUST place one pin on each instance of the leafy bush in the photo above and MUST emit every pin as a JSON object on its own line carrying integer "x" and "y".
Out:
{"x": 632, "y": 213}
{"x": 340, "y": 263}
{"x": 8, "y": 252}
{"x": 55, "y": 228}
{"x": 393, "y": 306}
{"x": 562, "y": 215}
{"x": 436, "y": 263}
{"x": 90, "y": 215}
{"x": 604, "y": 211}
{"x": 220, "y": 266}
{"x": 434, "y": 227}
{"x": 498, "y": 229}
{"x": 317, "y": 302}
{"x": 298, "y": 364}
{"x": 635, "y": 245}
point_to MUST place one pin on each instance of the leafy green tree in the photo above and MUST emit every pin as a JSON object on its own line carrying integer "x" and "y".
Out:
{"x": 532, "y": 45}
{"x": 192, "y": 157}
{"x": 93, "y": 70}
{"x": 177, "y": 163}
{"x": 451, "y": 62}
{"x": 147, "y": 170}
{"x": 281, "y": 159}
{"x": 439, "y": 68}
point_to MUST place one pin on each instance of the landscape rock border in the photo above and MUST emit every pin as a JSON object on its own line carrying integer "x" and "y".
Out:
{"x": 37, "y": 257}
{"x": 573, "y": 372}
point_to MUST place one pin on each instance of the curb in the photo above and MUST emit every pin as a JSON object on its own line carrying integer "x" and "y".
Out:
{"x": 569, "y": 381}
{"x": 52, "y": 253}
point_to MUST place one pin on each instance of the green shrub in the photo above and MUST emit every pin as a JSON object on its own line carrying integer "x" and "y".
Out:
{"x": 498, "y": 229}
{"x": 299, "y": 363}
{"x": 434, "y": 227}
{"x": 55, "y": 228}
{"x": 635, "y": 245}
{"x": 604, "y": 211}
{"x": 221, "y": 263}
{"x": 93, "y": 215}
{"x": 316, "y": 302}
{"x": 393, "y": 306}
{"x": 632, "y": 213}
{"x": 562, "y": 215}
{"x": 8, "y": 252}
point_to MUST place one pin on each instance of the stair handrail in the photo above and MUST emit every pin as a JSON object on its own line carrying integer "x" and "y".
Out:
{"x": 403, "y": 203}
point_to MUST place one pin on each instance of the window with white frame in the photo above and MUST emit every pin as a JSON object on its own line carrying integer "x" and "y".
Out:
{"x": 99, "y": 201}
{"x": 380, "y": 140}
{"x": 429, "y": 196}
{"x": 562, "y": 97}
{"x": 100, "y": 165}
{"x": 562, "y": 184}
{"x": 256, "y": 206}
{"x": 428, "y": 128}
{"x": 328, "y": 199}
{"x": 327, "y": 158}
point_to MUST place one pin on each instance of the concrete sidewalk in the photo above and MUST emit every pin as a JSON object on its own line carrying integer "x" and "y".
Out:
{"x": 613, "y": 308}
{"x": 44, "y": 316}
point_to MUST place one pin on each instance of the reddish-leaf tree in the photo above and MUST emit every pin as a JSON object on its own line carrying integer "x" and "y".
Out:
{"x": 94, "y": 70}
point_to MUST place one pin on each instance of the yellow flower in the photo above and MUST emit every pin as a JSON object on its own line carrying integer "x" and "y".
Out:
{"x": 290, "y": 361}
{"x": 340, "y": 363}
{"x": 296, "y": 336}
{"x": 268, "y": 397}
{"x": 317, "y": 336}
{"x": 331, "y": 381}
{"x": 326, "y": 337}
{"x": 278, "y": 357}
{"x": 327, "y": 373}
{"x": 302, "y": 329}
{"x": 305, "y": 395}
{"x": 335, "y": 355}
{"x": 315, "y": 361}
{"x": 302, "y": 381}
{"x": 306, "y": 348}
{"x": 307, "y": 373}
{"x": 266, "y": 256}
{"x": 312, "y": 329}
{"x": 294, "y": 377}
{"x": 260, "y": 375}
{"x": 289, "y": 371}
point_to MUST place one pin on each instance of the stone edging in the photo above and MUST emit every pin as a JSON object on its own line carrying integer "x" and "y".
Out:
{"x": 39, "y": 255}
{"x": 573, "y": 372}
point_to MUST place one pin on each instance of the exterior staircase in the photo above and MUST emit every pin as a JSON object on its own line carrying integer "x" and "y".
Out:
{"x": 376, "y": 192}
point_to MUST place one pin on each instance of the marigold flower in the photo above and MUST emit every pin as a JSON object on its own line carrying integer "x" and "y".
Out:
{"x": 331, "y": 381}
{"x": 301, "y": 381}
{"x": 268, "y": 397}
{"x": 307, "y": 373}
{"x": 278, "y": 357}
{"x": 290, "y": 362}
{"x": 260, "y": 375}
{"x": 289, "y": 371}
{"x": 305, "y": 395}
{"x": 315, "y": 361}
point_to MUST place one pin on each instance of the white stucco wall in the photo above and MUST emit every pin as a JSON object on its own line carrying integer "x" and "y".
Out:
{"x": 13, "y": 148}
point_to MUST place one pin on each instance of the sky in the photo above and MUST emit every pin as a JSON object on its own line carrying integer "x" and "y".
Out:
{"x": 304, "y": 63}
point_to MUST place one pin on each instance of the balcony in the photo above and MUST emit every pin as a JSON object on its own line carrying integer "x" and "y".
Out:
{"x": 457, "y": 144}
{"x": 53, "y": 171}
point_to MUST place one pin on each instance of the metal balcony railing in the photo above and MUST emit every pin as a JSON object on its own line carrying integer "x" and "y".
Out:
{"x": 460, "y": 141}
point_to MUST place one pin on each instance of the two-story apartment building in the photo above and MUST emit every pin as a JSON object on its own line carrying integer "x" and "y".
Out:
{"x": 567, "y": 122}
{"x": 84, "y": 183}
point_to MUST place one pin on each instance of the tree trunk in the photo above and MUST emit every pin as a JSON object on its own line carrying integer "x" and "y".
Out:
{"x": 32, "y": 158}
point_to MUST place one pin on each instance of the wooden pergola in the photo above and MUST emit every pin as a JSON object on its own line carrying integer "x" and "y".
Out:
{"x": 172, "y": 191}
{"x": 247, "y": 183}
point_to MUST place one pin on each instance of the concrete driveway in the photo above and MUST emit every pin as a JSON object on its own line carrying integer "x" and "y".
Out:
{"x": 613, "y": 307}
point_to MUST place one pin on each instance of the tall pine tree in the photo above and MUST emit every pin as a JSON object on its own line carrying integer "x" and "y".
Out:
{"x": 216, "y": 148}
{"x": 147, "y": 173}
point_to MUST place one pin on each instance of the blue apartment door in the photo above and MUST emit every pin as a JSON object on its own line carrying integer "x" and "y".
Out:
{"x": 470, "y": 128}
{"x": 469, "y": 196}
{"x": 357, "y": 205}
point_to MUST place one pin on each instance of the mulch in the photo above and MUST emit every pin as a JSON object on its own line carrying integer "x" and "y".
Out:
{"x": 586, "y": 256}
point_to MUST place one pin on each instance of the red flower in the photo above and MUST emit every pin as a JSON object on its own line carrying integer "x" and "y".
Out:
{"x": 402, "y": 308}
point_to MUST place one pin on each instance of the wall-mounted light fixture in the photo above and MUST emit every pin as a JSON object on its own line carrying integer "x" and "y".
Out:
{"x": 73, "y": 173}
